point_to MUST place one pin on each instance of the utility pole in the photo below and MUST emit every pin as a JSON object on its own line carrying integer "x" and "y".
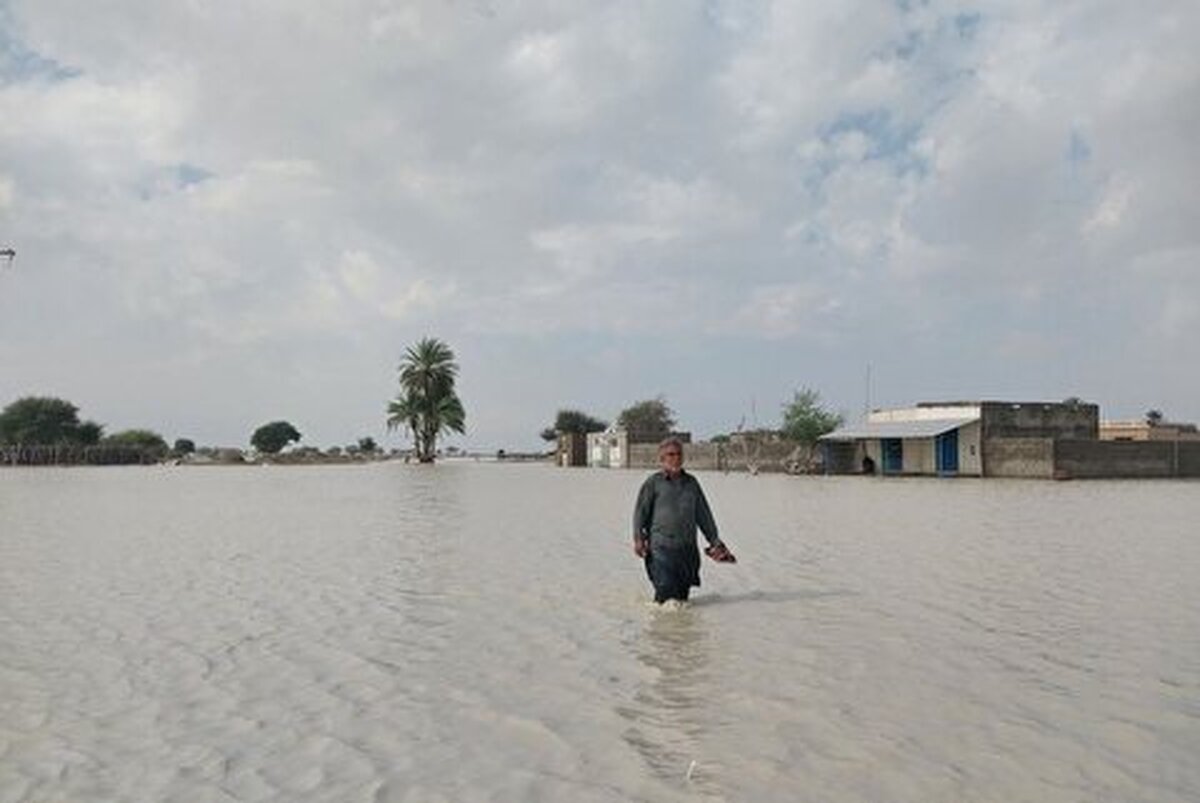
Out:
{"x": 867, "y": 395}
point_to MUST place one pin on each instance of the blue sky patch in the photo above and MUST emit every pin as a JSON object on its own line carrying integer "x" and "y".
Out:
{"x": 967, "y": 25}
{"x": 1078, "y": 150}
{"x": 186, "y": 174}
{"x": 18, "y": 63}
{"x": 889, "y": 139}
{"x": 907, "y": 47}
{"x": 169, "y": 179}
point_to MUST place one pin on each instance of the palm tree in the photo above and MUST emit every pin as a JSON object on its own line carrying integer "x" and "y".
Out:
{"x": 427, "y": 405}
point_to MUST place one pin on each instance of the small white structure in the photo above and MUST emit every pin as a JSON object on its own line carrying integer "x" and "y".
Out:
{"x": 608, "y": 449}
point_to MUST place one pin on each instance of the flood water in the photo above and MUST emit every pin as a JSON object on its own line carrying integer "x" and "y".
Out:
{"x": 480, "y": 632}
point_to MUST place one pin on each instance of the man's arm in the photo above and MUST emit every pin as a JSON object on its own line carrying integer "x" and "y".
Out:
{"x": 643, "y": 513}
{"x": 708, "y": 525}
{"x": 704, "y": 517}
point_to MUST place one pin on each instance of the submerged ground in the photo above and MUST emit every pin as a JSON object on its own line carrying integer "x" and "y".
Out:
{"x": 481, "y": 632}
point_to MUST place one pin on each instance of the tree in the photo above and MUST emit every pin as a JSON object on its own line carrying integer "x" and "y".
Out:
{"x": 1154, "y": 417}
{"x": 270, "y": 438}
{"x": 367, "y": 445}
{"x": 150, "y": 444}
{"x": 428, "y": 405}
{"x": 573, "y": 421}
{"x": 184, "y": 446}
{"x": 805, "y": 419}
{"x": 89, "y": 433}
{"x": 647, "y": 421}
{"x": 42, "y": 421}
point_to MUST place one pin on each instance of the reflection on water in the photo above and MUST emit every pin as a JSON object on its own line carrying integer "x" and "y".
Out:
{"x": 669, "y": 708}
{"x": 781, "y": 597}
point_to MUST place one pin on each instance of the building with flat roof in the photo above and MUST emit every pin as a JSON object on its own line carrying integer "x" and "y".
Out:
{"x": 960, "y": 438}
{"x": 1146, "y": 431}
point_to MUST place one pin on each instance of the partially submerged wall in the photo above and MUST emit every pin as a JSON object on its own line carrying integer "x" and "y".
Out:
{"x": 970, "y": 455}
{"x": 1127, "y": 459}
{"x": 1189, "y": 459}
{"x": 843, "y": 457}
{"x": 918, "y": 456}
{"x": 773, "y": 457}
{"x": 572, "y": 449}
{"x": 698, "y": 456}
{"x": 1019, "y": 457}
{"x": 1035, "y": 458}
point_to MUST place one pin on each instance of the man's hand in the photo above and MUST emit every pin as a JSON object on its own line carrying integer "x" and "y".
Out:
{"x": 721, "y": 554}
{"x": 641, "y": 546}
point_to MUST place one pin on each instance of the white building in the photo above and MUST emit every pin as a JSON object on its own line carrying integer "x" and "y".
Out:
{"x": 943, "y": 439}
{"x": 608, "y": 449}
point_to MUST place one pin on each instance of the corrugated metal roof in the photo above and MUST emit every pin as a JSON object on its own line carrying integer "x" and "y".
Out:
{"x": 867, "y": 430}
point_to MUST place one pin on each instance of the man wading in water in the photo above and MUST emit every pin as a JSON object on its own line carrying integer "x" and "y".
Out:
{"x": 670, "y": 506}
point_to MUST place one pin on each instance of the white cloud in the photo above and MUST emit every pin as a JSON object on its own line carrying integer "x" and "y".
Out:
{"x": 262, "y": 185}
{"x": 581, "y": 252}
{"x": 368, "y": 285}
{"x": 540, "y": 63}
{"x": 696, "y": 208}
{"x": 778, "y": 311}
{"x": 1110, "y": 207}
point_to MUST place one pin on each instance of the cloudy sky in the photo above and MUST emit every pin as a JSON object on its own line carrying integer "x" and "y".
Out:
{"x": 231, "y": 212}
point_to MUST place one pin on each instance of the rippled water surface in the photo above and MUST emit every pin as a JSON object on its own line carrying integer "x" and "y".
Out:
{"x": 474, "y": 632}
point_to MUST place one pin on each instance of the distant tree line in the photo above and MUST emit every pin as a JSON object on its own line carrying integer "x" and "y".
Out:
{"x": 805, "y": 419}
{"x": 646, "y": 420}
{"x": 39, "y": 430}
{"x": 47, "y": 430}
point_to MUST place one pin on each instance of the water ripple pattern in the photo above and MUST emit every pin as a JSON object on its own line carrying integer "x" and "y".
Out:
{"x": 482, "y": 632}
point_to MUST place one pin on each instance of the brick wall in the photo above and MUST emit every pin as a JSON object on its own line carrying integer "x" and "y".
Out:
{"x": 1132, "y": 459}
{"x": 772, "y": 457}
{"x": 1018, "y": 457}
{"x": 1040, "y": 420}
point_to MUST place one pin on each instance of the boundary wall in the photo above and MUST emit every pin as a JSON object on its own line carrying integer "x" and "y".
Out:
{"x": 1126, "y": 459}
{"x": 1019, "y": 457}
{"x": 1046, "y": 458}
{"x": 774, "y": 457}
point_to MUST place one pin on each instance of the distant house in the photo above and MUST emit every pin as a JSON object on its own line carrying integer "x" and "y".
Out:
{"x": 608, "y": 449}
{"x": 615, "y": 447}
{"x": 1146, "y": 431}
{"x": 961, "y": 438}
{"x": 572, "y": 449}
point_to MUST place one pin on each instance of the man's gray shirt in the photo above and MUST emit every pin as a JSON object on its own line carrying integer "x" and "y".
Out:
{"x": 668, "y": 511}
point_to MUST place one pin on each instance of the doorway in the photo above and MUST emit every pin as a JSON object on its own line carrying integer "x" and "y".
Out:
{"x": 946, "y": 448}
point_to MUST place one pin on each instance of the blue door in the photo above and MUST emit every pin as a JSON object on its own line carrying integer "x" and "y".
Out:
{"x": 947, "y": 452}
{"x": 893, "y": 455}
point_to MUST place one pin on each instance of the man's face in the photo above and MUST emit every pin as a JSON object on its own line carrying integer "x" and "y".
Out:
{"x": 671, "y": 459}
